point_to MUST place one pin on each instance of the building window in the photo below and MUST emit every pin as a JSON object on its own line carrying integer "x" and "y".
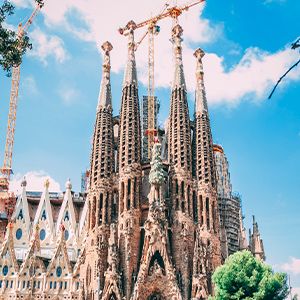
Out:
{"x": 20, "y": 215}
{"x": 43, "y": 217}
{"x": 5, "y": 270}
{"x": 58, "y": 271}
{"x": 19, "y": 234}
{"x": 66, "y": 218}
{"x": 42, "y": 234}
{"x": 67, "y": 235}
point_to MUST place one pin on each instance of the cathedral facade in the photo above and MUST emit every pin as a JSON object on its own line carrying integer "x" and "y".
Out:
{"x": 153, "y": 229}
{"x": 144, "y": 230}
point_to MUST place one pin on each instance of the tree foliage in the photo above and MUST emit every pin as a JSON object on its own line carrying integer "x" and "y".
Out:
{"x": 12, "y": 49}
{"x": 245, "y": 277}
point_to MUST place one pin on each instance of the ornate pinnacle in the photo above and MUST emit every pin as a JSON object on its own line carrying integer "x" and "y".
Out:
{"x": 105, "y": 89}
{"x": 179, "y": 80}
{"x": 130, "y": 76}
{"x": 47, "y": 183}
{"x": 106, "y": 47}
{"x": 200, "y": 101}
{"x": 199, "y": 54}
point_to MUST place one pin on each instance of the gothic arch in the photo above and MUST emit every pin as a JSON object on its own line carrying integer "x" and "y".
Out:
{"x": 156, "y": 261}
{"x": 112, "y": 296}
{"x": 155, "y": 296}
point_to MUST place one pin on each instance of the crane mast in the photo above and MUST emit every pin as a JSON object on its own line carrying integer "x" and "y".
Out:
{"x": 8, "y": 199}
{"x": 173, "y": 12}
{"x": 6, "y": 169}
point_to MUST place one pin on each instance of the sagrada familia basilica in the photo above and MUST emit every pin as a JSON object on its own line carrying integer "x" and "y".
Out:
{"x": 147, "y": 230}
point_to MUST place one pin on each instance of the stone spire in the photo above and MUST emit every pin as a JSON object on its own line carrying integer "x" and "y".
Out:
{"x": 256, "y": 243}
{"x": 179, "y": 129}
{"x": 130, "y": 131}
{"x": 101, "y": 193}
{"x": 105, "y": 89}
{"x": 204, "y": 160}
{"x": 102, "y": 158}
{"x": 204, "y": 167}
{"x": 200, "y": 97}
{"x": 179, "y": 80}
{"x": 180, "y": 160}
{"x": 130, "y": 76}
{"x": 130, "y": 170}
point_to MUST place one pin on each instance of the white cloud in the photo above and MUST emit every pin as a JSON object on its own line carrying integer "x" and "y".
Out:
{"x": 252, "y": 77}
{"x": 293, "y": 266}
{"x": 45, "y": 46}
{"x": 99, "y": 25}
{"x": 35, "y": 182}
{"x": 69, "y": 95}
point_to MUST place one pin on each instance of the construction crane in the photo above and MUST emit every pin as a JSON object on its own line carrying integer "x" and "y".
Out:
{"x": 152, "y": 30}
{"x": 6, "y": 169}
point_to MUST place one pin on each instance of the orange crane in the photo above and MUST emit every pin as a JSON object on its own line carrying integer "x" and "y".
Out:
{"x": 173, "y": 12}
{"x": 6, "y": 169}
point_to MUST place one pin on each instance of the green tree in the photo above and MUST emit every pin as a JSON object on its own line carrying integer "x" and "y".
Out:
{"x": 12, "y": 49}
{"x": 245, "y": 277}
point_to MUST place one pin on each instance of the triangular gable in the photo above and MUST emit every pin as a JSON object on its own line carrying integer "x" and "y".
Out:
{"x": 67, "y": 212}
{"x": 61, "y": 251}
{"x": 21, "y": 211}
{"x": 44, "y": 211}
{"x": 33, "y": 252}
{"x": 7, "y": 252}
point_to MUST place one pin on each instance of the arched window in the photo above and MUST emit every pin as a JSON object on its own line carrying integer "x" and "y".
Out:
{"x": 66, "y": 218}
{"x": 20, "y": 215}
{"x": 44, "y": 217}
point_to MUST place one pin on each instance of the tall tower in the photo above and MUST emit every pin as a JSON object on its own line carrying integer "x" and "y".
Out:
{"x": 179, "y": 156}
{"x": 130, "y": 171}
{"x": 100, "y": 197}
{"x": 208, "y": 217}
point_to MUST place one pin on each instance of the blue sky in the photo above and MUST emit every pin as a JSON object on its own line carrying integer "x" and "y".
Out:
{"x": 247, "y": 45}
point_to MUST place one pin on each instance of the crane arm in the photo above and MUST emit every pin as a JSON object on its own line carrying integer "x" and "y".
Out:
{"x": 173, "y": 12}
{"x": 23, "y": 30}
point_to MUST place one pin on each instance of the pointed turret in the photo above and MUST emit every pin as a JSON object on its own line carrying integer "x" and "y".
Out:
{"x": 105, "y": 89}
{"x": 130, "y": 75}
{"x": 204, "y": 160}
{"x": 180, "y": 160}
{"x": 256, "y": 243}
{"x": 130, "y": 132}
{"x": 130, "y": 171}
{"x": 100, "y": 194}
{"x": 204, "y": 167}
{"x": 179, "y": 127}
